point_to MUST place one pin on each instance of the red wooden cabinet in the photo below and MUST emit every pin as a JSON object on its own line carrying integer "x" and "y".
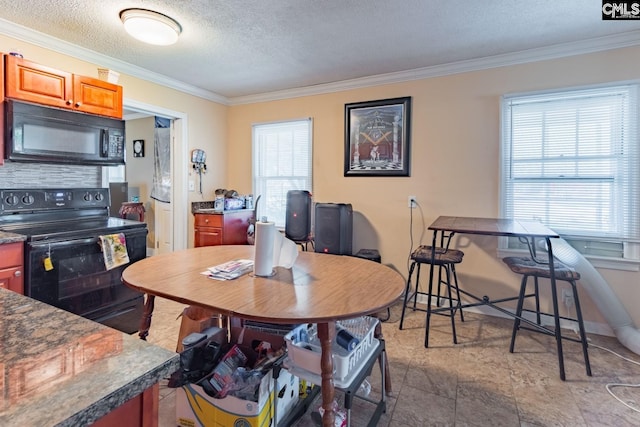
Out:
{"x": 11, "y": 267}
{"x": 140, "y": 411}
{"x": 224, "y": 228}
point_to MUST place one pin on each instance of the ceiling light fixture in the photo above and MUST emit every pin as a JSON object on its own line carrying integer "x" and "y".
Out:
{"x": 150, "y": 27}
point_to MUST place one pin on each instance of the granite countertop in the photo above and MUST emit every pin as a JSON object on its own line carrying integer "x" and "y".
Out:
{"x": 207, "y": 211}
{"x": 197, "y": 207}
{"x": 59, "y": 369}
{"x": 206, "y": 207}
{"x": 11, "y": 237}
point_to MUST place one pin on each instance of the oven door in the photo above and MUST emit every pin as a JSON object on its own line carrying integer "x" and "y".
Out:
{"x": 71, "y": 275}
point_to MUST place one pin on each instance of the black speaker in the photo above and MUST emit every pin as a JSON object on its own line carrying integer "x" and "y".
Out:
{"x": 334, "y": 228}
{"x": 297, "y": 224}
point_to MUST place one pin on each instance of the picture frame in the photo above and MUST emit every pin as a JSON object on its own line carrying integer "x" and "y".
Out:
{"x": 377, "y": 137}
{"x": 138, "y": 148}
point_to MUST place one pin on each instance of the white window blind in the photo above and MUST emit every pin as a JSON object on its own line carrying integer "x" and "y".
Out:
{"x": 571, "y": 160}
{"x": 281, "y": 162}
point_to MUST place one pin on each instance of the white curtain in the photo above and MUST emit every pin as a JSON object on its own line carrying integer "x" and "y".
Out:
{"x": 161, "y": 190}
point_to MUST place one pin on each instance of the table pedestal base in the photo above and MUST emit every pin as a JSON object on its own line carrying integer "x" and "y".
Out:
{"x": 326, "y": 365}
{"x": 145, "y": 322}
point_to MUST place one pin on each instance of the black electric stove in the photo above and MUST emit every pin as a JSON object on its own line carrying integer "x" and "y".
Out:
{"x": 64, "y": 264}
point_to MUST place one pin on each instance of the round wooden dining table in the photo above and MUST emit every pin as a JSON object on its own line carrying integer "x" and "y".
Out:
{"x": 319, "y": 288}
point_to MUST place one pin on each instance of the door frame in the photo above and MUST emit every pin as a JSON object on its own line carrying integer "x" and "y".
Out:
{"x": 179, "y": 161}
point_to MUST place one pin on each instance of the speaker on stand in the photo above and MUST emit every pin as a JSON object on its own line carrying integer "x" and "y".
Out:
{"x": 297, "y": 226}
{"x": 334, "y": 228}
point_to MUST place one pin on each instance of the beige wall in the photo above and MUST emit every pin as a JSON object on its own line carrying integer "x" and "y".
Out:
{"x": 454, "y": 160}
{"x": 454, "y": 165}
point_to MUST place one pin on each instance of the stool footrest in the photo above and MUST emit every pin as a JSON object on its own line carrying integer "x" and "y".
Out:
{"x": 550, "y": 315}
{"x": 440, "y": 310}
{"x": 550, "y": 333}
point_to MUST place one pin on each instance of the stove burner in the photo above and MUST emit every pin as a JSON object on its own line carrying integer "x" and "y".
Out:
{"x": 43, "y": 214}
{"x": 72, "y": 229}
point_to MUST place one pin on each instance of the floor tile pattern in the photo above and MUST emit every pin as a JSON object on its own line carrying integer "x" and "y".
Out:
{"x": 476, "y": 382}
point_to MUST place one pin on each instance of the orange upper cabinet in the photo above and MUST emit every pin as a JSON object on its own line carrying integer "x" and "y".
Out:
{"x": 96, "y": 96}
{"x": 28, "y": 81}
{"x": 32, "y": 82}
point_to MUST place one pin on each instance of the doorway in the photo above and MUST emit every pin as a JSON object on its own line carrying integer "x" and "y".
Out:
{"x": 171, "y": 220}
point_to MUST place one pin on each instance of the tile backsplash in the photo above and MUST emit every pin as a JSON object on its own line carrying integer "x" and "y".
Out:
{"x": 41, "y": 175}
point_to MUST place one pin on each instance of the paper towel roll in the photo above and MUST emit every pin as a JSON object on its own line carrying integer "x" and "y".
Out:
{"x": 263, "y": 258}
{"x": 272, "y": 249}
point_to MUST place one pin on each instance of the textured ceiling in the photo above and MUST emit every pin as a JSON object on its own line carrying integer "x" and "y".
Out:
{"x": 241, "y": 48}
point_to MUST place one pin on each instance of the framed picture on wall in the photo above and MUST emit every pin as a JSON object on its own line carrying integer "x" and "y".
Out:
{"x": 376, "y": 137}
{"x": 138, "y": 148}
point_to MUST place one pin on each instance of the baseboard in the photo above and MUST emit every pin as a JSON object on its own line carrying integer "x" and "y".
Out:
{"x": 596, "y": 328}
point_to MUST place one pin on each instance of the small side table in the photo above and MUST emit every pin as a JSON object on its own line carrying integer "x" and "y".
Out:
{"x": 133, "y": 208}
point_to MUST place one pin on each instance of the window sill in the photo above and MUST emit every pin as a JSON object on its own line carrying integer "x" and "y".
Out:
{"x": 597, "y": 262}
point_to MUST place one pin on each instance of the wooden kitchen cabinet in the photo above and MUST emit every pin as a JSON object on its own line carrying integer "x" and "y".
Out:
{"x": 28, "y": 81}
{"x": 11, "y": 267}
{"x": 222, "y": 228}
{"x": 1, "y": 114}
{"x": 140, "y": 411}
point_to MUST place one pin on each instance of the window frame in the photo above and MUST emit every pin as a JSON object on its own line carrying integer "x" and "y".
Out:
{"x": 628, "y": 246}
{"x": 290, "y": 182}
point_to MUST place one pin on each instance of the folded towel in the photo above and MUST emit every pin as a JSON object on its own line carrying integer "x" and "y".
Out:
{"x": 114, "y": 249}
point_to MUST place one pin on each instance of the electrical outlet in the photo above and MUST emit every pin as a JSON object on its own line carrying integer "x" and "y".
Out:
{"x": 411, "y": 201}
{"x": 192, "y": 185}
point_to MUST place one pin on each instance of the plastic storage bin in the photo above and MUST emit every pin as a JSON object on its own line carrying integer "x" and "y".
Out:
{"x": 304, "y": 349}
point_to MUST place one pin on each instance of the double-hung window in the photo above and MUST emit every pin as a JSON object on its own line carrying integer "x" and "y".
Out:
{"x": 281, "y": 162}
{"x": 571, "y": 160}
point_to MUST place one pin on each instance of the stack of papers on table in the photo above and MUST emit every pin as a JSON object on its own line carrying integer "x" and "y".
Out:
{"x": 230, "y": 269}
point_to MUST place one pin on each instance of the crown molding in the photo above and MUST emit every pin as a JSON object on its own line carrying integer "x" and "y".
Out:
{"x": 599, "y": 44}
{"x": 623, "y": 40}
{"x": 28, "y": 35}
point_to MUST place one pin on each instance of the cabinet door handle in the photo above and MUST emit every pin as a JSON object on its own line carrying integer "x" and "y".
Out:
{"x": 18, "y": 273}
{"x": 78, "y": 104}
{"x": 69, "y": 101}
{"x": 206, "y": 221}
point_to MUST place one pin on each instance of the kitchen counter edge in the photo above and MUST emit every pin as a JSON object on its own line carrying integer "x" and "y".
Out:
{"x": 6, "y": 237}
{"x": 105, "y": 367}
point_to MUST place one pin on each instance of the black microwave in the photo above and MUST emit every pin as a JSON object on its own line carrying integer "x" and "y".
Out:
{"x": 35, "y": 133}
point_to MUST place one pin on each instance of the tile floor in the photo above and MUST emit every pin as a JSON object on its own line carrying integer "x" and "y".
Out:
{"x": 476, "y": 382}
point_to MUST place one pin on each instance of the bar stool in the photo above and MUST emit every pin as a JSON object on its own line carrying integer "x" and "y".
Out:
{"x": 530, "y": 268}
{"x": 445, "y": 259}
{"x": 304, "y": 244}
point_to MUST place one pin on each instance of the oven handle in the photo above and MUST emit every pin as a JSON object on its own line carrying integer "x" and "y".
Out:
{"x": 64, "y": 243}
